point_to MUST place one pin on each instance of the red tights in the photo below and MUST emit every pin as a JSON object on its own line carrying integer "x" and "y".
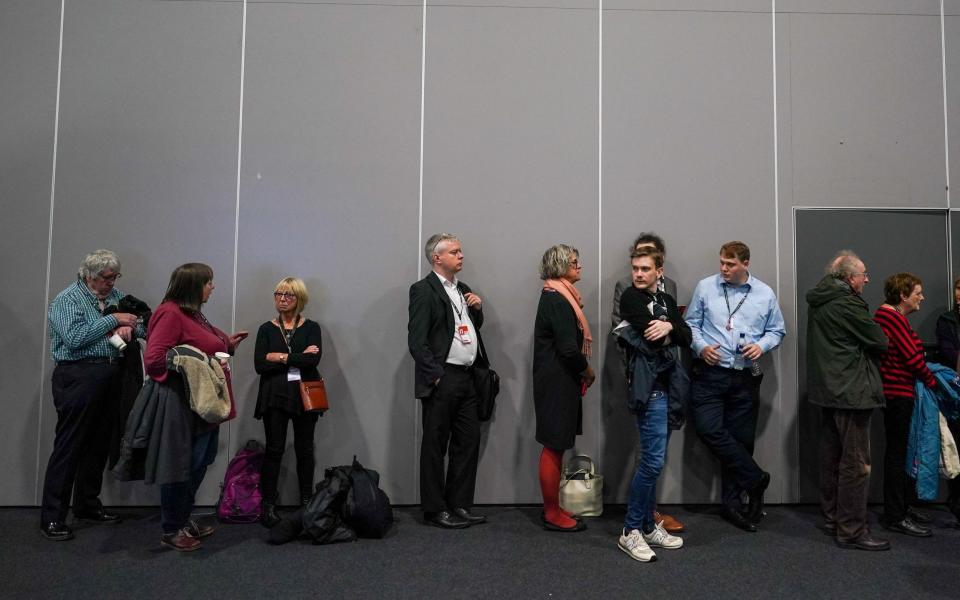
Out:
{"x": 550, "y": 465}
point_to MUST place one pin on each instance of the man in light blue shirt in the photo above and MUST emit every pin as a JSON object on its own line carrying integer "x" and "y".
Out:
{"x": 729, "y": 310}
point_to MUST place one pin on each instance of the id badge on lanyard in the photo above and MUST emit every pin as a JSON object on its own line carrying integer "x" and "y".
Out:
{"x": 463, "y": 334}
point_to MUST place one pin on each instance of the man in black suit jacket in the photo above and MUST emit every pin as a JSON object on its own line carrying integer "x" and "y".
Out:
{"x": 443, "y": 334}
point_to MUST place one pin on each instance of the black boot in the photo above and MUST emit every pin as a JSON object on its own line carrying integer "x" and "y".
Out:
{"x": 269, "y": 518}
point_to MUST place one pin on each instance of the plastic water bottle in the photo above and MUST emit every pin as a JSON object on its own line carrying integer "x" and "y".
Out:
{"x": 738, "y": 360}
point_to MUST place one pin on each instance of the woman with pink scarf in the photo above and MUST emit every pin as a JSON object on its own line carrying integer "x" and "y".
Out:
{"x": 561, "y": 375}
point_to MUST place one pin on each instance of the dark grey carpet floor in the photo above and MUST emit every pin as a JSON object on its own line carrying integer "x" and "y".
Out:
{"x": 510, "y": 557}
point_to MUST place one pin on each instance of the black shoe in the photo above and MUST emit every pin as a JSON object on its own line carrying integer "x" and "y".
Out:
{"x": 99, "y": 515}
{"x": 829, "y": 529}
{"x": 920, "y": 517}
{"x": 469, "y": 517}
{"x": 908, "y": 527}
{"x": 755, "y": 507}
{"x": 57, "y": 531}
{"x": 445, "y": 519}
{"x": 736, "y": 518}
{"x": 269, "y": 518}
{"x": 865, "y": 542}
{"x": 579, "y": 526}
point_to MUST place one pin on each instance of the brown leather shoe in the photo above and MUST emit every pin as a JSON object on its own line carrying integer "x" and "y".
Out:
{"x": 671, "y": 524}
{"x": 180, "y": 541}
{"x": 196, "y": 530}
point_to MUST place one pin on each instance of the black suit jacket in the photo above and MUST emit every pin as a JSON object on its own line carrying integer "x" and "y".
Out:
{"x": 430, "y": 331}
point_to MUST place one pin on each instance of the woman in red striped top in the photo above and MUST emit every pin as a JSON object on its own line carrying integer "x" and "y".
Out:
{"x": 900, "y": 367}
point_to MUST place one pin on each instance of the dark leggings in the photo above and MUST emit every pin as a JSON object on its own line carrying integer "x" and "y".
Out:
{"x": 275, "y": 429}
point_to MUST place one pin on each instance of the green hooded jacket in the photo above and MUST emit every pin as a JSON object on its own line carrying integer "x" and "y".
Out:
{"x": 844, "y": 345}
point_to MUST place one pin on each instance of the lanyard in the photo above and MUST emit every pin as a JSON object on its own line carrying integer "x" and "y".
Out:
{"x": 463, "y": 302}
{"x": 203, "y": 321}
{"x": 287, "y": 338}
{"x": 729, "y": 312}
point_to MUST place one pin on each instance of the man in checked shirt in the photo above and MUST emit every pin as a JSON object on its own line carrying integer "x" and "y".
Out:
{"x": 85, "y": 384}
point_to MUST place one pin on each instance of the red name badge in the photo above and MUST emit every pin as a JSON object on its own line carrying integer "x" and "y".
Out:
{"x": 463, "y": 332}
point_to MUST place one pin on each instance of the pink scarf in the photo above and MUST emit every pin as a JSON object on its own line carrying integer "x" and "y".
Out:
{"x": 568, "y": 291}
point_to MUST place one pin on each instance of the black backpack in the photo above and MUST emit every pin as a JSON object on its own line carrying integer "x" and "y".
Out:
{"x": 367, "y": 509}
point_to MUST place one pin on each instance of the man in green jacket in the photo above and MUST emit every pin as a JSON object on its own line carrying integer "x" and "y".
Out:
{"x": 843, "y": 378}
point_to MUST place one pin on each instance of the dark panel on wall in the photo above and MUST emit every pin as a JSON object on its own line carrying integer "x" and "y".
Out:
{"x": 29, "y": 38}
{"x": 688, "y": 134}
{"x": 329, "y": 193}
{"x": 510, "y": 165}
{"x": 147, "y": 155}
{"x": 921, "y": 249}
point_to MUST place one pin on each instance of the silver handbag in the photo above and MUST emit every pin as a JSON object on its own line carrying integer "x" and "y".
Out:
{"x": 581, "y": 487}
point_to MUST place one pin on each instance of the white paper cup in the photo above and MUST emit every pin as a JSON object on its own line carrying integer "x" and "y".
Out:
{"x": 224, "y": 359}
{"x": 118, "y": 342}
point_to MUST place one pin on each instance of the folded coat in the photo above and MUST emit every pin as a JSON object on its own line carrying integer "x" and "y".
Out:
{"x": 923, "y": 446}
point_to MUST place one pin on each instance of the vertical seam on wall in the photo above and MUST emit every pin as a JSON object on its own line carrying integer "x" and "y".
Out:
{"x": 46, "y": 293}
{"x": 599, "y": 381}
{"x": 423, "y": 86}
{"x": 946, "y": 125}
{"x": 236, "y": 222}
{"x": 946, "y": 151}
{"x": 776, "y": 215}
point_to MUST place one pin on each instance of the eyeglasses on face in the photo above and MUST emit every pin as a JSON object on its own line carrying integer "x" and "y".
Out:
{"x": 284, "y": 295}
{"x": 112, "y": 277}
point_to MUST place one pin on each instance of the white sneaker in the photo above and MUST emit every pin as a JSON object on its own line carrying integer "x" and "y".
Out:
{"x": 659, "y": 538}
{"x": 636, "y": 547}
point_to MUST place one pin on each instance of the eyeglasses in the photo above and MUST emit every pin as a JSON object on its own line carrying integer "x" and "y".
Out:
{"x": 575, "y": 263}
{"x": 284, "y": 295}
{"x": 864, "y": 274}
{"x": 113, "y": 277}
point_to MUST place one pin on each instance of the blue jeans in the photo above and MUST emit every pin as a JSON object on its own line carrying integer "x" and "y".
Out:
{"x": 176, "y": 499}
{"x": 652, "y": 427}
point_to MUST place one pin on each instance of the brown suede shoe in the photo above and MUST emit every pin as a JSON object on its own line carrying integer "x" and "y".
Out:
{"x": 669, "y": 523}
{"x": 180, "y": 541}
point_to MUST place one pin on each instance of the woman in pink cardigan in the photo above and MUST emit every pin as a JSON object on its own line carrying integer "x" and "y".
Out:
{"x": 179, "y": 320}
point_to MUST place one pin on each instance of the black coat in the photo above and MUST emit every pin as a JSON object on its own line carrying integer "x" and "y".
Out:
{"x": 430, "y": 331}
{"x": 557, "y": 364}
{"x": 275, "y": 391}
{"x": 948, "y": 340}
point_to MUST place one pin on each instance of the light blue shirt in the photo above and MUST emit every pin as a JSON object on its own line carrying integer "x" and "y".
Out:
{"x": 759, "y": 317}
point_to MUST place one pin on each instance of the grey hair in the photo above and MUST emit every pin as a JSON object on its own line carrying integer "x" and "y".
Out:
{"x": 556, "y": 261}
{"x": 430, "y": 248}
{"x": 843, "y": 265}
{"x": 97, "y": 262}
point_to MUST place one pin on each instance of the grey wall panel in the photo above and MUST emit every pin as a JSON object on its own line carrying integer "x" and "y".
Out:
{"x": 329, "y": 193}
{"x": 866, "y": 113}
{"x": 510, "y": 165}
{"x": 921, "y": 249}
{"x": 682, "y": 6}
{"x": 864, "y": 7}
{"x": 147, "y": 155}
{"x": 688, "y": 135}
{"x": 29, "y": 37}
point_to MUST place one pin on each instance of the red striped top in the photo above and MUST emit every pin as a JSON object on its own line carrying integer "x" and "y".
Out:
{"x": 903, "y": 362}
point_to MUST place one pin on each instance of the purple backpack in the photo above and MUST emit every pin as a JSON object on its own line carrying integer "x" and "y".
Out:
{"x": 240, "y": 499}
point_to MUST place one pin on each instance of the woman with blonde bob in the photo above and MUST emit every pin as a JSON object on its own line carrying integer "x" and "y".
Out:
{"x": 561, "y": 374}
{"x": 287, "y": 351}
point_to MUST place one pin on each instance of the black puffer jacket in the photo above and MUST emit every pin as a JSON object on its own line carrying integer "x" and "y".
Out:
{"x": 844, "y": 345}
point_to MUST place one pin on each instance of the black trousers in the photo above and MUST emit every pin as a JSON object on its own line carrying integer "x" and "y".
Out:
{"x": 450, "y": 424}
{"x": 84, "y": 395}
{"x": 899, "y": 491}
{"x": 275, "y": 423}
{"x": 725, "y": 414}
{"x": 953, "y": 498}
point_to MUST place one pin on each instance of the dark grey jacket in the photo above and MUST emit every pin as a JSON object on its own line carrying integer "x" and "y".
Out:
{"x": 158, "y": 438}
{"x": 844, "y": 345}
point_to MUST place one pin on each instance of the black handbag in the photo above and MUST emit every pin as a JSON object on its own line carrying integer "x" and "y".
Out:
{"x": 487, "y": 383}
